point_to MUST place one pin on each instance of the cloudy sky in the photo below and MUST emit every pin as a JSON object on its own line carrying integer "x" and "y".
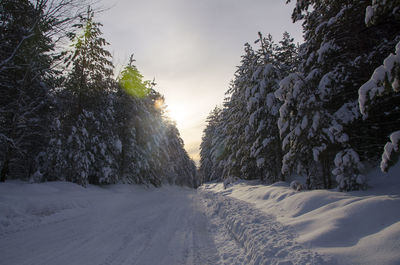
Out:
{"x": 192, "y": 48}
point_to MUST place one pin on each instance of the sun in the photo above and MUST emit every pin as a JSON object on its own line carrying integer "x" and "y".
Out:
{"x": 159, "y": 104}
{"x": 177, "y": 113}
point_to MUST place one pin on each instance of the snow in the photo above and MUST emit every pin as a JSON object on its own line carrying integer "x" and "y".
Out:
{"x": 389, "y": 150}
{"x": 270, "y": 99}
{"x": 266, "y": 141}
{"x": 325, "y": 85}
{"x": 304, "y": 122}
{"x": 260, "y": 162}
{"x": 359, "y": 227}
{"x": 265, "y": 240}
{"x": 244, "y": 223}
{"x": 317, "y": 151}
{"x": 375, "y": 86}
{"x": 395, "y": 139}
{"x": 251, "y": 102}
{"x": 63, "y": 223}
{"x": 348, "y": 113}
{"x": 315, "y": 123}
{"x": 324, "y": 48}
{"x": 369, "y": 12}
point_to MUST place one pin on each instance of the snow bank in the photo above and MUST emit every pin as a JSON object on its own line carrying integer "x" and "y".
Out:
{"x": 265, "y": 240}
{"x": 19, "y": 213}
{"x": 354, "y": 228}
{"x": 24, "y": 205}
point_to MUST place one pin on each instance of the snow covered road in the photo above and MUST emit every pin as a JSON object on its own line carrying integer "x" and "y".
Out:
{"x": 61, "y": 223}
{"x": 120, "y": 227}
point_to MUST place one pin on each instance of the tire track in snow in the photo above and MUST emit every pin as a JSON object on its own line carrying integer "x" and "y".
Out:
{"x": 265, "y": 240}
{"x": 184, "y": 242}
{"x": 230, "y": 252}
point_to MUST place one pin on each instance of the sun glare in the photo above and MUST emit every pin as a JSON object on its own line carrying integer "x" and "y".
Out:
{"x": 177, "y": 113}
{"x": 159, "y": 103}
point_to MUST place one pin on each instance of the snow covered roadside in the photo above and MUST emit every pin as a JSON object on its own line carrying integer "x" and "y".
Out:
{"x": 352, "y": 228}
{"x": 265, "y": 241}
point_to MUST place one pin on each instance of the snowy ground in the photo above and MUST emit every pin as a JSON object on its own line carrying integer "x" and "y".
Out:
{"x": 62, "y": 223}
{"x": 360, "y": 227}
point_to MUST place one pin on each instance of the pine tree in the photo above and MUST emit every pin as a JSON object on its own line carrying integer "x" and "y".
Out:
{"x": 25, "y": 68}
{"x": 275, "y": 61}
{"x": 209, "y": 141}
{"x": 151, "y": 149}
{"x": 86, "y": 115}
{"x": 238, "y": 162}
{"x": 337, "y": 54}
{"x": 379, "y": 97}
{"x": 263, "y": 108}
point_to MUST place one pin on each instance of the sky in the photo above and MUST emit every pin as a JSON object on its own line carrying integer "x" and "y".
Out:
{"x": 191, "y": 48}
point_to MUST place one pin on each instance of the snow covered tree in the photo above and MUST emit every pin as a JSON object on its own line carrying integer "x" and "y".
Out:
{"x": 151, "y": 150}
{"x": 319, "y": 126}
{"x": 263, "y": 107}
{"x": 242, "y": 139}
{"x": 384, "y": 84}
{"x": 239, "y": 162}
{"x": 181, "y": 170}
{"x": 25, "y": 68}
{"x": 211, "y": 147}
{"x": 275, "y": 62}
{"x": 86, "y": 114}
{"x": 379, "y": 97}
{"x": 286, "y": 55}
{"x": 382, "y": 12}
{"x": 338, "y": 52}
{"x": 347, "y": 171}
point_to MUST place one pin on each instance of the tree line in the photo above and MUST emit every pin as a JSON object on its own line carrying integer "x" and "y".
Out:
{"x": 63, "y": 114}
{"x": 322, "y": 110}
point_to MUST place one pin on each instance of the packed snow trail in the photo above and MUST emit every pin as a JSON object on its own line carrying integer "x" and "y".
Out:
{"x": 152, "y": 227}
{"x": 61, "y": 223}
{"x": 264, "y": 240}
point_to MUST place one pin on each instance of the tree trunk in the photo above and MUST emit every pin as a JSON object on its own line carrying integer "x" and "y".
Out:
{"x": 4, "y": 170}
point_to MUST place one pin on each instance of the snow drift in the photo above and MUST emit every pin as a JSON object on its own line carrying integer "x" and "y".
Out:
{"x": 360, "y": 227}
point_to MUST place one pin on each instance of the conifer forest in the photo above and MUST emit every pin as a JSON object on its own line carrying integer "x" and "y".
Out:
{"x": 277, "y": 150}
{"x": 63, "y": 113}
{"x": 323, "y": 110}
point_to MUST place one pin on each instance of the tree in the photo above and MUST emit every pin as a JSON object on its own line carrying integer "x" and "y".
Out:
{"x": 85, "y": 117}
{"x": 275, "y": 62}
{"x": 338, "y": 53}
{"x": 379, "y": 96}
{"x": 209, "y": 143}
{"x": 238, "y": 162}
{"x": 25, "y": 67}
{"x": 151, "y": 149}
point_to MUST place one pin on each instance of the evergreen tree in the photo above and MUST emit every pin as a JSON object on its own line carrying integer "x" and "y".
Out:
{"x": 151, "y": 149}
{"x": 379, "y": 97}
{"x": 338, "y": 52}
{"x": 86, "y": 116}
{"x": 25, "y": 68}
{"x": 210, "y": 142}
{"x": 238, "y": 161}
{"x": 275, "y": 61}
